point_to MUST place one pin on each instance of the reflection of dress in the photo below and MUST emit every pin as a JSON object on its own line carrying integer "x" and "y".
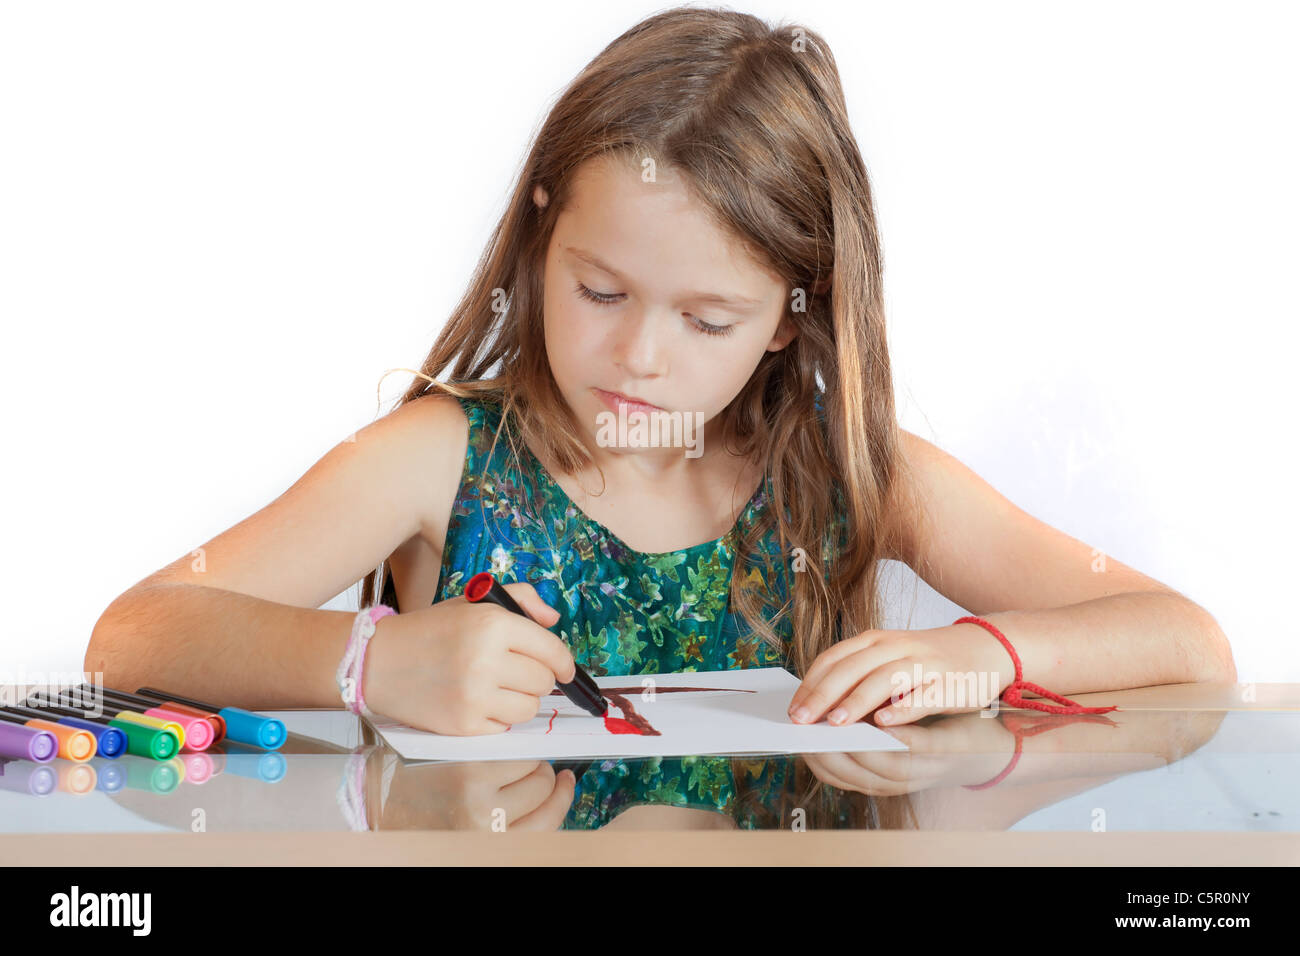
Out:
{"x": 621, "y": 611}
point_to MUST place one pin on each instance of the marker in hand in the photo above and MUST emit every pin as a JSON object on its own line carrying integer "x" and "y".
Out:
{"x": 582, "y": 690}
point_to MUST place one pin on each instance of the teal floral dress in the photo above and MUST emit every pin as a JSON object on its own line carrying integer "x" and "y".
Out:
{"x": 622, "y": 611}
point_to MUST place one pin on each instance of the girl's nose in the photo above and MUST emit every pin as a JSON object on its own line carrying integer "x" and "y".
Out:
{"x": 644, "y": 345}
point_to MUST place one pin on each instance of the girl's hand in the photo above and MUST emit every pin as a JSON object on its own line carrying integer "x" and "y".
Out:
{"x": 965, "y": 749}
{"x": 478, "y": 795}
{"x": 464, "y": 668}
{"x": 961, "y": 668}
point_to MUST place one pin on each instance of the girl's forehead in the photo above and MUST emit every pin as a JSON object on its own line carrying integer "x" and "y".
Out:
{"x": 625, "y": 226}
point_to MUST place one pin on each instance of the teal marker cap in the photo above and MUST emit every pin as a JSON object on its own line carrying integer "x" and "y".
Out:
{"x": 246, "y": 727}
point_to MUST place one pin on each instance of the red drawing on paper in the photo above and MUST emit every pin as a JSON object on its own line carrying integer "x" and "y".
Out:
{"x": 576, "y": 721}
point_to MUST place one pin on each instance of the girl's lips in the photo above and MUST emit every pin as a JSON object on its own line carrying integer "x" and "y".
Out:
{"x": 613, "y": 400}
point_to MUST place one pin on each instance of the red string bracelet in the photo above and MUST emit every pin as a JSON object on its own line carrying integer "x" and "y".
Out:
{"x": 1011, "y": 696}
{"x": 1023, "y": 725}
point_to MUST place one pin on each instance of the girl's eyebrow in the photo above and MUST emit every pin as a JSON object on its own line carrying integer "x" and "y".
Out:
{"x": 739, "y": 301}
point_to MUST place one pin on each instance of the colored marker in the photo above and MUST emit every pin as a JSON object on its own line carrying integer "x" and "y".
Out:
{"x": 582, "y": 690}
{"x": 138, "y": 703}
{"x": 77, "y": 700}
{"x": 109, "y": 741}
{"x": 74, "y": 743}
{"x": 18, "y": 776}
{"x": 242, "y": 726}
{"x": 18, "y": 741}
{"x": 78, "y": 704}
{"x": 141, "y": 740}
{"x": 199, "y": 732}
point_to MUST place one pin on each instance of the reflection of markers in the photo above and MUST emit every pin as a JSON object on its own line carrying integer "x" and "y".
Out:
{"x": 19, "y": 776}
{"x": 242, "y": 726}
{"x": 140, "y": 703}
{"x": 242, "y": 760}
{"x": 27, "y": 743}
{"x": 199, "y": 768}
{"x": 109, "y": 741}
{"x": 143, "y": 741}
{"x": 74, "y": 743}
{"x": 155, "y": 776}
{"x": 78, "y": 701}
{"x": 78, "y": 778}
{"x": 110, "y": 776}
{"x": 199, "y": 732}
{"x": 582, "y": 690}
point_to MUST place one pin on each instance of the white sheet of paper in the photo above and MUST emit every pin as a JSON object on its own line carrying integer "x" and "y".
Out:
{"x": 746, "y": 716}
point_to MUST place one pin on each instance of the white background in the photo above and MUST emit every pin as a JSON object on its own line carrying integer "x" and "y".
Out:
{"x": 221, "y": 223}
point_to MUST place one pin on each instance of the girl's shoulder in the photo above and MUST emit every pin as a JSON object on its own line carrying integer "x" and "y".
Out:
{"x": 444, "y": 429}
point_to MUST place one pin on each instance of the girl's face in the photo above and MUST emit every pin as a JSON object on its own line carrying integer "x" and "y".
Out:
{"x": 686, "y": 316}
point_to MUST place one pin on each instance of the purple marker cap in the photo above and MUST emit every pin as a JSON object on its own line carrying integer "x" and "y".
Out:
{"x": 27, "y": 743}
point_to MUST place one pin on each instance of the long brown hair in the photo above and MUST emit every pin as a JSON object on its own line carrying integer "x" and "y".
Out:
{"x": 754, "y": 119}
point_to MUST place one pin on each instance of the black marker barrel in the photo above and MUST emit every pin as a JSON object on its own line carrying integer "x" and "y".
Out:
{"x": 140, "y": 703}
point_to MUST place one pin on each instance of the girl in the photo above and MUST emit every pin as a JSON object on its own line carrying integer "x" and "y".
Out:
{"x": 692, "y": 233}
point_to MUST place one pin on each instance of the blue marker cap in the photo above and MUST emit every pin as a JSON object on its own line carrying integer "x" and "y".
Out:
{"x": 109, "y": 741}
{"x": 246, "y": 727}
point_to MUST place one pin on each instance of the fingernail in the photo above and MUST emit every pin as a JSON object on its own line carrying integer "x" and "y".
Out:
{"x": 838, "y": 715}
{"x": 885, "y": 716}
{"x": 801, "y": 714}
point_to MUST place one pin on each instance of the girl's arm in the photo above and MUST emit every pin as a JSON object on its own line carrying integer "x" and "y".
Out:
{"x": 1080, "y": 620}
{"x": 236, "y": 620}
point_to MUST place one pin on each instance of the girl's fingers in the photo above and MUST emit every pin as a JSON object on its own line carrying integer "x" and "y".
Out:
{"x": 510, "y": 707}
{"x": 823, "y": 771}
{"x": 822, "y": 697}
{"x": 550, "y": 813}
{"x": 873, "y": 692}
{"x": 902, "y": 711}
{"x": 526, "y": 675}
{"x": 847, "y": 773}
{"x": 830, "y": 660}
{"x": 523, "y": 796}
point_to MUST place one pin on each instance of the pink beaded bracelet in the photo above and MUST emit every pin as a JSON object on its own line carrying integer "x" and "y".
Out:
{"x": 351, "y": 670}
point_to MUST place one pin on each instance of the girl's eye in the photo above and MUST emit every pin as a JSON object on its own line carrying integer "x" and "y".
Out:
{"x": 598, "y": 297}
{"x": 711, "y": 329}
{"x": 602, "y": 298}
